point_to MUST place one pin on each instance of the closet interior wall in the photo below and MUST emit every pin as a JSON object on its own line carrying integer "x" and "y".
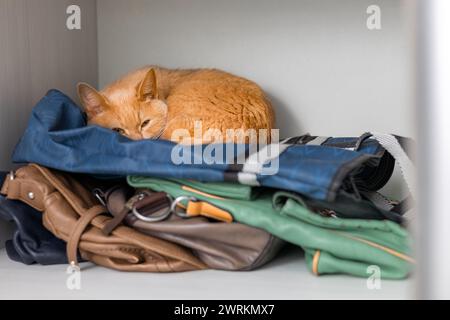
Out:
{"x": 324, "y": 70}
{"x": 38, "y": 52}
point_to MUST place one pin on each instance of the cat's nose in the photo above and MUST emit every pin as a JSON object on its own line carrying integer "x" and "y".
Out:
{"x": 135, "y": 136}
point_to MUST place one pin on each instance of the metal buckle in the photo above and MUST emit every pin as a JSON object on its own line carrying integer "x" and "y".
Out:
{"x": 177, "y": 201}
{"x": 162, "y": 216}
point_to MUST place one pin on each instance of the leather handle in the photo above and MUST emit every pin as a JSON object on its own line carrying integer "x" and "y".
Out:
{"x": 115, "y": 222}
{"x": 151, "y": 200}
{"x": 78, "y": 230}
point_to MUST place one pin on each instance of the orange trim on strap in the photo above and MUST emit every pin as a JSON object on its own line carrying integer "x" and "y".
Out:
{"x": 202, "y": 208}
{"x": 186, "y": 188}
{"x": 315, "y": 263}
{"x": 379, "y": 246}
{"x": 197, "y": 208}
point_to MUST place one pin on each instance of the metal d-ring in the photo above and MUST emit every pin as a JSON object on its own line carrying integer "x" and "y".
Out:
{"x": 163, "y": 216}
{"x": 176, "y": 202}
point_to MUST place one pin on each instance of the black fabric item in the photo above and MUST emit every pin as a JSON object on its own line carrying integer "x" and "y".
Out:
{"x": 31, "y": 242}
{"x": 348, "y": 207}
{"x": 404, "y": 206}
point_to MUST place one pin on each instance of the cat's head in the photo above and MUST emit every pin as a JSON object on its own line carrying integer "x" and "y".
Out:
{"x": 132, "y": 110}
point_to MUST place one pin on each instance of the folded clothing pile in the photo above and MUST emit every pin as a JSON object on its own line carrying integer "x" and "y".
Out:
{"x": 127, "y": 205}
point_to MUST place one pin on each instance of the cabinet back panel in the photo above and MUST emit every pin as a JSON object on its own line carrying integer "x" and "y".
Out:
{"x": 37, "y": 53}
{"x": 325, "y": 71}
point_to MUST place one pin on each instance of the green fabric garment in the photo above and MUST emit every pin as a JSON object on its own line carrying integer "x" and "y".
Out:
{"x": 331, "y": 245}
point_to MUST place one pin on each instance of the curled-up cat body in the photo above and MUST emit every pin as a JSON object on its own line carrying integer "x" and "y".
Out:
{"x": 155, "y": 102}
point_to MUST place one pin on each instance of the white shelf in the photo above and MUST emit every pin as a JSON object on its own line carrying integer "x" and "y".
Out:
{"x": 284, "y": 278}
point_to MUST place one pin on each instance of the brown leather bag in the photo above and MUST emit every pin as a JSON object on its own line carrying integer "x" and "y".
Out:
{"x": 220, "y": 245}
{"x": 72, "y": 213}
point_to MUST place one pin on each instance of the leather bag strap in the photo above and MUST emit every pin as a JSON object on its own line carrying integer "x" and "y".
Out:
{"x": 115, "y": 222}
{"x": 78, "y": 230}
{"x": 86, "y": 215}
{"x": 153, "y": 201}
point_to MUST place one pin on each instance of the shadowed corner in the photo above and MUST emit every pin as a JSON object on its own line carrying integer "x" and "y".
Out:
{"x": 291, "y": 125}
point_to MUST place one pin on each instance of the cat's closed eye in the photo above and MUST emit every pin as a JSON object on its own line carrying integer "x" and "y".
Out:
{"x": 145, "y": 123}
{"x": 119, "y": 130}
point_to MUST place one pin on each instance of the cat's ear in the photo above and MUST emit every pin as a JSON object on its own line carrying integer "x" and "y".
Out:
{"x": 148, "y": 88}
{"x": 92, "y": 100}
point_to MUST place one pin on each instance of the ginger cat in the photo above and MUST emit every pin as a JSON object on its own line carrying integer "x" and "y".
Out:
{"x": 153, "y": 102}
